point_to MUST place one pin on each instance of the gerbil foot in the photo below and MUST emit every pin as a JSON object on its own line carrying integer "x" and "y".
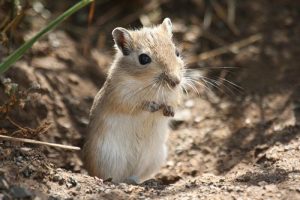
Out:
{"x": 132, "y": 180}
{"x": 168, "y": 111}
{"x": 151, "y": 106}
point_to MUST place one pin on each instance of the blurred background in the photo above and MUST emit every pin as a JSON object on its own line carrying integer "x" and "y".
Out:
{"x": 249, "y": 51}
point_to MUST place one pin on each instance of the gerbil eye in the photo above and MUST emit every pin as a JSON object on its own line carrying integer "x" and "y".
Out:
{"x": 177, "y": 52}
{"x": 144, "y": 59}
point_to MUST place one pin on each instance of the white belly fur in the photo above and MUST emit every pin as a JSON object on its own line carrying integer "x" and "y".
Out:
{"x": 132, "y": 146}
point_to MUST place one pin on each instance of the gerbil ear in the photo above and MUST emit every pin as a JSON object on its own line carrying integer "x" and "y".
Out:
{"x": 123, "y": 40}
{"x": 167, "y": 26}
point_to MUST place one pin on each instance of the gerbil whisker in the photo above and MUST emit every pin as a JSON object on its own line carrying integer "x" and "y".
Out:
{"x": 192, "y": 81}
{"x": 184, "y": 88}
{"x": 136, "y": 106}
{"x": 158, "y": 91}
{"x": 234, "y": 86}
{"x": 211, "y": 82}
{"x": 199, "y": 68}
{"x": 216, "y": 84}
{"x": 231, "y": 83}
{"x": 190, "y": 84}
{"x": 207, "y": 82}
{"x": 220, "y": 83}
{"x": 163, "y": 96}
{"x": 155, "y": 84}
{"x": 138, "y": 91}
{"x": 194, "y": 76}
{"x": 152, "y": 87}
{"x": 169, "y": 87}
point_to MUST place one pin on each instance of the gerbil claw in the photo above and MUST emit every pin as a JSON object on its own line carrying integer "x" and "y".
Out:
{"x": 151, "y": 106}
{"x": 168, "y": 111}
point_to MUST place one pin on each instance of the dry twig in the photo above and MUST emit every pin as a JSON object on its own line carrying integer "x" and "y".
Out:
{"x": 29, "y": 132}
{"x": 4, "y": 137}
{"x": 221, "y": 13}
{"x": 234, "y": 47}
{"x": 207, "y": 16}
{"x": 231, "y": 11}
{"x": 148, "y": 8}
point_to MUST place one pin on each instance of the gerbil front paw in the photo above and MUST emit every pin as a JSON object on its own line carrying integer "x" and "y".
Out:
{"x": 151, "y": 106}
{"x": 168, "y": 111}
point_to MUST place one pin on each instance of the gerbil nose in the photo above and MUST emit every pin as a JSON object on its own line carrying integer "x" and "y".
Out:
{"x": 172, "y": 80}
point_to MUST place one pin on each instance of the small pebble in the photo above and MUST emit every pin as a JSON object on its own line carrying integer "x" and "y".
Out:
{"x": 69, "y": 185}
{"x": 61, "y": 181}
{"x": 189, "y": 103}
{"x": 183, "y": 115}
{"x": 20, "y": 192}
{"x": 25, "y": 149}
{"x": 57, "y": 178}
{"x": 78, "y": 187}
{"x": 198, "y": 119}
{"x": 262, "y": 183}
{"x": 3, "y": 184}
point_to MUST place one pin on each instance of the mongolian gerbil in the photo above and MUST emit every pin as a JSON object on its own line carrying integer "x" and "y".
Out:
{"x": 129, "y": 117}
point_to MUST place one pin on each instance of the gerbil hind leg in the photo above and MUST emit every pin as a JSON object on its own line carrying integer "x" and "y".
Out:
{"x": 132, "y": 180}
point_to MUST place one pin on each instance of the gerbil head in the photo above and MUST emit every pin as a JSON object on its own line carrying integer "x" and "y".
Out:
{"x": 149, "y": 55}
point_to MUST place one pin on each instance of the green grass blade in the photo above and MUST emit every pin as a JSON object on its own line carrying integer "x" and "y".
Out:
{"x": 17, "y": 54}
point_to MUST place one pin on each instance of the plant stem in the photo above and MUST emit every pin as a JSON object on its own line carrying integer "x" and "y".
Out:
{"x": 17, "y": 54}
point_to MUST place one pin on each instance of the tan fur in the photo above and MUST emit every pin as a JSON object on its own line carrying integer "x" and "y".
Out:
{"x": 124, "y": 140}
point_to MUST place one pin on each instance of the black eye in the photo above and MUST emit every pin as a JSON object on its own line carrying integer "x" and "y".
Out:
{"x": 177, "y": 52}
{"x": 144, "y": 59}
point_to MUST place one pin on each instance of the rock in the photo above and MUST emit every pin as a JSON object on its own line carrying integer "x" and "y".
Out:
{"x": 189, "y": 103}
{"x": 38, "y": 198}
{"x": 88, "y": 191}
{"x": 262, "y": 183}
{"x": 61, "y": 181}
{"x": 238, "y": 189}
{"x": 84, "y": 121}
{"x": 19, "y": 159}
{"x": 27, "y": 172}
{"x": 71, "y": 183}
{"x": 25, "y": 149}
{"x": 59, "y": 170}
{"x": 63, "y": 124}
{"x": 20, "y": 192}
{"x": 107, "y": 191}
{"x": 287, "y": 148}
{"x": 198, "y": 119}
{"x": 4, "y": 197}
{"x": 179, "y": 118}
{"x": 53, "y": 198}
{"x": 271, "y": 187}
{"x": 57, "y": 178}
{"x": 182, "y": 115}
{"x": 170, "y": 163}
{"x": 3, "y": 184}
{"x": 78, "y": 187}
